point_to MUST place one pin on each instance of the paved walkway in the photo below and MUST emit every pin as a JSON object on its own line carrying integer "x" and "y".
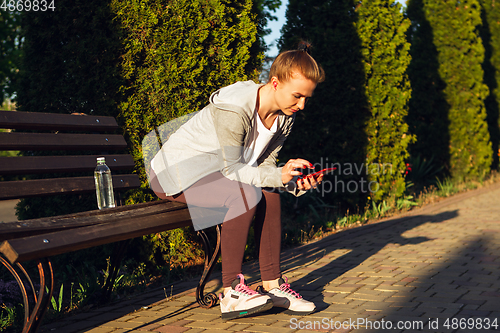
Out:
{"x": 426, "y": 268}
{"x": 8, "y": 210}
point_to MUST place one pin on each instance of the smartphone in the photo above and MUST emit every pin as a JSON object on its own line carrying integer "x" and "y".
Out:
{"x": 318, "y": 173}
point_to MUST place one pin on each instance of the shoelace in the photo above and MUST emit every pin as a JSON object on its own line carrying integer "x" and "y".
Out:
{"x": 243, "y": 288}
{"x": 285, "y": 287}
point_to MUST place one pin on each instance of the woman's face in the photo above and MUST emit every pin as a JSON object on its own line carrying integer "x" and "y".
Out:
{"x": 291, "y": 95}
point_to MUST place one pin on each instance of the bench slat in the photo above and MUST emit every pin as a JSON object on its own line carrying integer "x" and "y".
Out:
{"x": 23, "y": 249}
{"x": 56, "y": 121}
{"x": 73, "y": 185}
{"x": 60, "y": 141}
{"x": 44, "y": 225}
{"x": 27, "y": 165}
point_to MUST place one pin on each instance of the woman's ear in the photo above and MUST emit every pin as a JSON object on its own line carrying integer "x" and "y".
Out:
{"x": 274, "y": 82}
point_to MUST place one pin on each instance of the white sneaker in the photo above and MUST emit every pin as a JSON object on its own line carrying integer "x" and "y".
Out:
{"x": 284, "y": 297}
{"x": 242, "y": 301}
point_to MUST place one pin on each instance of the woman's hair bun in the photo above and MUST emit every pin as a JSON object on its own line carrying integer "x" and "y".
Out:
{"x": 305, "y": 46}
{"x": 297, "y": 61}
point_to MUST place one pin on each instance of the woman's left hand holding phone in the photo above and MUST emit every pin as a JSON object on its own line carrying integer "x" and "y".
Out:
{"x": 290, "y": 170}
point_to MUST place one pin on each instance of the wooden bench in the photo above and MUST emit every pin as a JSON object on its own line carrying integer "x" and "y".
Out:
{"x": 39, "y": 239}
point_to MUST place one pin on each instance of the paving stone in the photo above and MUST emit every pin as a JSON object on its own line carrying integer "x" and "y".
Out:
{"x": 345, "y": 288}
{"x": 122, "y": 324}
{"x": 101, "y": 330}
{"x": 258, "y": 328}
{"x": 258, "y": 319}
{"x": 490, "y": 306}
{"x": 194, "y": 330}
{"x": 171, "y": 329}
{"x": 367, "y": 297}
{"x": 150, "y": 327}
{"x": 201, "y": 316}
{"x": 474, "y": 313}
{"x": 210, "y": 325}
{"x": 78, "y": 326}
{"x": 376, "y": 306}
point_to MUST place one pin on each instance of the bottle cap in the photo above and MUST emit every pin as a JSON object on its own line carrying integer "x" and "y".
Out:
{"x": 101, "y": 159}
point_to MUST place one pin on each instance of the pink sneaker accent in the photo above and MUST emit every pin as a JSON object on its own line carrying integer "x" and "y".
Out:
{"x": 284, "y": 297}
{"x": 285, "y": 287}
{"x": 243, "y": 288}
{"x": 241, "y": 301}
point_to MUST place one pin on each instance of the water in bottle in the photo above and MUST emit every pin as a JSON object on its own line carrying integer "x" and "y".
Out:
{"x": 103, "y": 185}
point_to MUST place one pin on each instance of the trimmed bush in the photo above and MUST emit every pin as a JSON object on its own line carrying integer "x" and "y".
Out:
{"x": 382, "y": 30}
{"x": 331, "y": 128}
{"x": 70, "y": 59}
{"x": 490, "y": 34}
{"x": 143, "y": 62}
{"x": 10, "y": 52}
{"x": 69, "y": 66}
{"x": 460, "y": 54}
{"x": 176, "y": 54}
{"x": 428, "y": 108}
{"x": 356, "y": 117}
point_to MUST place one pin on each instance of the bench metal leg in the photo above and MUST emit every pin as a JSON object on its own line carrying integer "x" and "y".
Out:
{"x": 33, "y": 318}
{"x": 210, "y": 299}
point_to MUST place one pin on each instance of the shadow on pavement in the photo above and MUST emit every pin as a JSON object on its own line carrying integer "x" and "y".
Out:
{"x": 373, "y": 238}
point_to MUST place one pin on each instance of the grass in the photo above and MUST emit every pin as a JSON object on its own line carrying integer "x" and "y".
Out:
{"x": 7, "y": 317}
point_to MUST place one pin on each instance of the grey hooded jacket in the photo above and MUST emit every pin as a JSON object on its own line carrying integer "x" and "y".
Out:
{"x": 213, "y": 140}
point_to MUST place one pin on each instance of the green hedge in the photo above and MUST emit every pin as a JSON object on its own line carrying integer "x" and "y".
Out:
{"x": 10, "y": 52}
{"x": 70, "y": 64}
{"x": 459, "y": 54}
{"x": 490, "y": 34}
{"x": 143, "y": 62}
{"x": 176, "y": 53}
{"x": 331, "y": 128}
{"x": 382, "y": 30}
{"x": 428, "y": 108}
{"x": 356, "y": 117}
{"x": 70, "y": 60}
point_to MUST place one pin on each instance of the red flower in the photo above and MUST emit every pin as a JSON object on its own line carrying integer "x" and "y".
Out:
{"x": 408, "y": 168}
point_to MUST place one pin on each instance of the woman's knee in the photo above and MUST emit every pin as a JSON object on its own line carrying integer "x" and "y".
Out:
{"x": 242, "y": 199}
{"x": 247, "y": 195}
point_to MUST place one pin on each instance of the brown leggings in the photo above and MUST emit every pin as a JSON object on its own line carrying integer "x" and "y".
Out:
{"x": 234, "y": 233}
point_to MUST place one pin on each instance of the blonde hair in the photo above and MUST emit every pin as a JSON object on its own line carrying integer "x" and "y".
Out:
{"x": 297, "y": 61}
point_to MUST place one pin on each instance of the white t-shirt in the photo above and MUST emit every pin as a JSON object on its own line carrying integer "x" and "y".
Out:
{"x": 259, "y": 140}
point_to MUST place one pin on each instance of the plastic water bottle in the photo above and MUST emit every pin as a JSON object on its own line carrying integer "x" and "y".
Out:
{"x": 103, "y": 185}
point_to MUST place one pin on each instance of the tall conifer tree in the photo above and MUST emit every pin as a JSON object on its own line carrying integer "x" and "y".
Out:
{"x": 176, "y": 54}
{"x": 460, "y": 54}
{"x": 490, "y": 34}
{"x": 382, "y": 29}
{"x": 70, "y": 58}
{"x": 428, "y": 108}
{"x": 69, "y": 65}
{"x": 331, "y": 128}
{"x": 10, "y": 52}
{"x": 143, "y": 62}
{"x": 356, "y": 117}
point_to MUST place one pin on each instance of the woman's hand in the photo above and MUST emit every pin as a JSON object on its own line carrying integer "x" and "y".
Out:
{"x": 290, "y": 170}
{"x": 308, "y": 182}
